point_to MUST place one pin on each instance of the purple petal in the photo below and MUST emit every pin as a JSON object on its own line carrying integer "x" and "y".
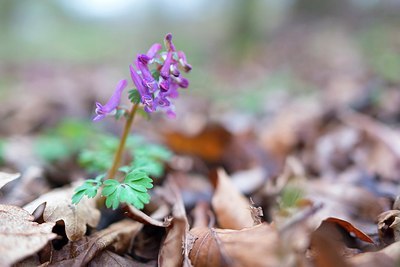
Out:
{"x": 164, "y": 72}
{"x": 137, "y": 81}
{"x": 182, "y": 60}
{"x": 181, "y": 81}
{"x": 168, "y": 42}
{"x": 153, "y": 50}
{"x": 148, "y": 79}
{"x": 163, "y": 83}
{"x": 99, "y": 117}
{"x": 174, "y": 70}
{"x": 112, "y": 103}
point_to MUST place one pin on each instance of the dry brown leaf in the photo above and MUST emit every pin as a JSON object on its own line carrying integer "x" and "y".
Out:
{"x": 327, "y": 247}
{"x": 389, "y": 226}
{"x": 58, "y": 206}
{"x": 177, "y": 233}
{"x": 19, "y": 235}
{"x": 231, "y": 207}
{"x": 294, "y": 123}
{"x": 142, "y": 217}
{"x": 350, "y": 228}
{"x": 343, "y": 200}
{"x": 5, "y": 178}
{"x": 378, "y": 130}
{"x": 255, "y": 246}
{"x": 108, "y": 258}
{"x": 208, "y": 144}
{"x": 80, "y": 253}
{"x": 387, "y": 257}
{"x": 31, "y": 185}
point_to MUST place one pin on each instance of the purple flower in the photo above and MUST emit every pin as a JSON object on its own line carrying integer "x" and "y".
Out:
{"x": 145, "y": 96}
{"x": 112, "y": 104}
{"x": 155, "y": 94}
{"x": 148, "y": 79}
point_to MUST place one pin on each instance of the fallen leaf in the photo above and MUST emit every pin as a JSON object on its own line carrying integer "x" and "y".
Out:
{"x": 254, "y": 246}
{"x": 378, "y": 130}
{"x": 117, "y": 236}
{"x": 350, "y": 228}
{"x": 231, "y": 207}
{"x": 19, "y": 235}
{"x": 387, "y": 257}
{"x": 209, "y": 144}
{"x": 5, "y": 178}
{"x": 177, "y": 233}
{"x": 31, "y": 185}
{"x": 108, "y": 258}
{"x": 389, "y": 226}
{"x": 326, "y": 246}
{"x": 142, "y": 217}
{"x": 201, "y": 215}
{"x": 58, "y": 207}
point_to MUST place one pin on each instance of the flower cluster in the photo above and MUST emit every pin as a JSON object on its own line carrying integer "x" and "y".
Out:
{"x": 157, "y": 77}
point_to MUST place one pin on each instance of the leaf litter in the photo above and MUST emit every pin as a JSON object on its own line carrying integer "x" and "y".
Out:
{"x": 307, "y": 181}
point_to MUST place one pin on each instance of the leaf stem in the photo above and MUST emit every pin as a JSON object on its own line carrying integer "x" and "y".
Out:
{"x": 121, "y": 146}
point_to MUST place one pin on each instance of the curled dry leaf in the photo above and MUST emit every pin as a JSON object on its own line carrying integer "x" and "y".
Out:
{"x": 389, "y": 226}
{"x": 5, "y": 178}
{"x": 255, "y": 246}
{"x": 142, "y": 217}
{"x": 332, "y": 240}
{"x": 58, "y": 207}
{"x": 350, "y": 229}
{"x": 231, "y": 207}
{"x": 80, "y": 253}
{"x": 177, "y": 233}
{"x": 19, "y": 235}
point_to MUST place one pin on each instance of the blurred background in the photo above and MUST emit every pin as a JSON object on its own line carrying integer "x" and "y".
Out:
{"x": 249, "y": 57}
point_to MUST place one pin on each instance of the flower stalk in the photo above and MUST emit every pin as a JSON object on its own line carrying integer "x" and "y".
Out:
{"x": 120, "y": 151}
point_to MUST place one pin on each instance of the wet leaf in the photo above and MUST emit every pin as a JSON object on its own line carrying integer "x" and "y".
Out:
{"x": 59, "y": 207}
{"x": 20, "y": 236}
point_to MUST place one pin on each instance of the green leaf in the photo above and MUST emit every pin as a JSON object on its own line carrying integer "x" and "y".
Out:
{"x": 110, "y": 186}
{"x": 135, "y": 175}
{"x": 134, "y": 96}
{"x": 76, "y": 198}
{"x": 134, "y": 190}
{"x": 148, "y": 165}
{"x": 88, "y": 188}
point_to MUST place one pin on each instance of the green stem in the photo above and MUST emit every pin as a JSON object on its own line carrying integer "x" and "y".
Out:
{"x": 120, "y": 150}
